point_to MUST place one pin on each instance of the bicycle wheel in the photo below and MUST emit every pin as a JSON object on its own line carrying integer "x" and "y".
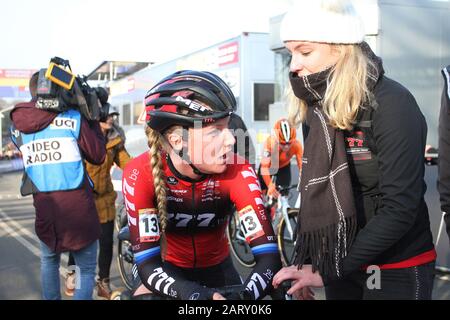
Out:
{"x": 125, "y": 261}
{"x": 286, "y": 240}
{"x": 120, "y": 216}
{"x": 239, "y": 247}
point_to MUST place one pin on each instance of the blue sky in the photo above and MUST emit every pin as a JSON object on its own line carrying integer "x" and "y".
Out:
{"x": 88, "y": 32}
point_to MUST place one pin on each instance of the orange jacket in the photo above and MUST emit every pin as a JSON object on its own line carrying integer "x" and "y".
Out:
{"x": 276, "y": 156}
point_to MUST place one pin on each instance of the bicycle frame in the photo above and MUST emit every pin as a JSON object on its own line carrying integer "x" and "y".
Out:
{"x": 283, "y": 205}
{"x": 282, "y": 210}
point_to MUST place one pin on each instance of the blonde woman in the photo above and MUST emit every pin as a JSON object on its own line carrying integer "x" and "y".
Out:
{"x": 363, "y": 170}
{"x": 180, "y": 194}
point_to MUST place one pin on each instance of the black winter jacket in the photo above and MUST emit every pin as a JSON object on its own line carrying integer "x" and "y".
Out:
{"x": 444, "y": 149}
{"x": 387, "y": 170}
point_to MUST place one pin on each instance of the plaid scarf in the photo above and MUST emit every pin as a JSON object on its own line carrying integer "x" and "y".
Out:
{"x": 327, "y": 217}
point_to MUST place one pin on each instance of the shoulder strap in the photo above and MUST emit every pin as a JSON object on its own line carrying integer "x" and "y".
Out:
{"x": 364, "y": 122}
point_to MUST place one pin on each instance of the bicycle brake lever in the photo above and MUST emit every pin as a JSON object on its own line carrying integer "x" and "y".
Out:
{"x": 234, "y": 292}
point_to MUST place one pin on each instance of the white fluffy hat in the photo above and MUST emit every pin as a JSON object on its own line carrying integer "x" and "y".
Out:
{"x": 328, "y": 21}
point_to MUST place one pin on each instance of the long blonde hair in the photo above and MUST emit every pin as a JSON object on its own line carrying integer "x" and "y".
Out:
{"x": 155, "y": 143}
{"x": 346, "y": 89}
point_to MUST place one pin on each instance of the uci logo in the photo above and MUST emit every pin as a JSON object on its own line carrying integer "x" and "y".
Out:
{"x": 63, "y": 123}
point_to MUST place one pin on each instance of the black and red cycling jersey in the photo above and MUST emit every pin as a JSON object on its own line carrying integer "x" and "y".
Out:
{"x": 195, "y": 235}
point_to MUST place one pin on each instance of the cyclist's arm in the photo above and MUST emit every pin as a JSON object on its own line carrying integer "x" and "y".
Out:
{"x": 258, "y": 231}
{"x": 145, "y": 234}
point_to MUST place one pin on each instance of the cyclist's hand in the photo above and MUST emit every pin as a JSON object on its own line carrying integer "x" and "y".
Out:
{"x": 303, "y": 294}
{"x": 272, "y": 191}
{"x": 218, "y": 296}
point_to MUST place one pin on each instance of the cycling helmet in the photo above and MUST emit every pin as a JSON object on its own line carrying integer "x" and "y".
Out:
{"x": 166, "y": 100}
{"x": 284, "y": 131}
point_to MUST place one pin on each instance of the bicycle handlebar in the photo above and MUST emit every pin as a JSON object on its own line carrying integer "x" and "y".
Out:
{"x": 237, "y": 292}
{"x": 233, "y": 292}
{"x": 282, "y": 190}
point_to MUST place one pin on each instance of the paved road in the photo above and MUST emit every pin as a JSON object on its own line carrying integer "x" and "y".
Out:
{"x": 19, "y": 246}
{"x": 19, "y": 249}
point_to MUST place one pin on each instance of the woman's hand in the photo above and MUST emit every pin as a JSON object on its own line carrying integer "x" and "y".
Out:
{"x": 305, "y": 293}
{"x": 218, "y": 296}
{"x": 302, "y": 278}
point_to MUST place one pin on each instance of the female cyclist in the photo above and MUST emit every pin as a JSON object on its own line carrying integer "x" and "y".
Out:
{"x": 180, "y": 194}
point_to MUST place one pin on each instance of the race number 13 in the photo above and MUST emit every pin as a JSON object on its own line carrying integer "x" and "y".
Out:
{"x": 250, "y": 224}
{"x": 148, "y": 225}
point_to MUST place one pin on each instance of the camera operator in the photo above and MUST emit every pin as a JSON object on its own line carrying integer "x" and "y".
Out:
{"x": 444, "y": 149}
{"x": 54, "y": 144}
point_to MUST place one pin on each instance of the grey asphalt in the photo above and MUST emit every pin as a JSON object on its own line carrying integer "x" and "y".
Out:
{"x": 19, "y": 249}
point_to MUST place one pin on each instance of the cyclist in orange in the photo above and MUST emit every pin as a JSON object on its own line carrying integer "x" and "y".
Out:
{"x": 279, "y": 148}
